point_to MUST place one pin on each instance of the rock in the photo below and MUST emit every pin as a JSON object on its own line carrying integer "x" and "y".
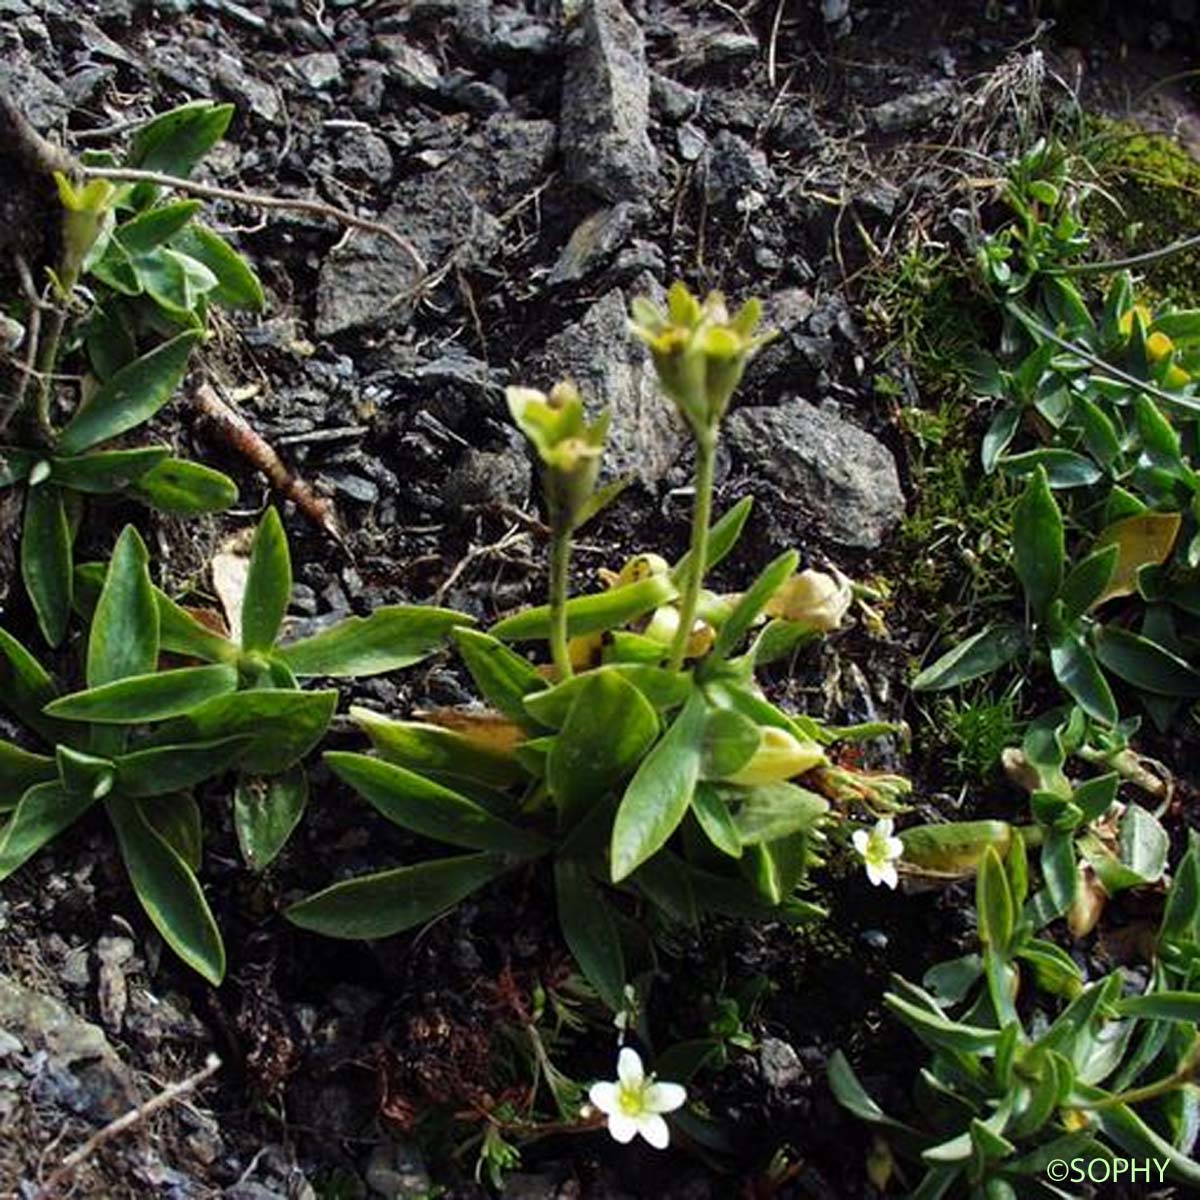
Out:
{"x": 42, "y": 101}
{"x": 489, "y": 477}
{"x": 779, "y": 1063}
{"x": 647, "y": 438}
{"x": 73, "y": 1065}
{"x": 319, "y": 70}
{"x": 674, "y": 101}
{"x": 448, "y": 211}
{"x": 737, "y": 173}
{"x": 595, "y": 240}
{"x": 410, "y": 66}
{"x": 911, "y": 111}
{"x": 834, "y": 477}
{"x": 606, "y": 105}
{"x": 397, "y": 1171}
{"x": 364, "y": 157}
{"x": 252, "y": 93}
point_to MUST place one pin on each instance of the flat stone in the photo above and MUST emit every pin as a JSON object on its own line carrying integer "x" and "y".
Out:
{"x": 319, "y": 70}
{"x": 488, "y": 477}
{"x": 595, "y": 240}
{"x": 647, "y": 438}
{"x": 831, "y": 477}
{"x": 911, "y": 111}
{"x": 409, "y": 65}
{"x": 606, "y": 105}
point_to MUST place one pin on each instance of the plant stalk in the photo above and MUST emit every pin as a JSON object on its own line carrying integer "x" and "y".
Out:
{"x": 47, "y": 366}
{"x": 560, "y": 561}
{"x": 706, "y": 443}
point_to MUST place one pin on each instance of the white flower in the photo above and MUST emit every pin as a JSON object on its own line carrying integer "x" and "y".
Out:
{"x": 880, "y": 851}
{"x": 635, "y": 1104}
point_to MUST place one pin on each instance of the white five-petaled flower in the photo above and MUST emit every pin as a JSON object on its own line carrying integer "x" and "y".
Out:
{"x": 635, "y": 1103}
{"x": 880, "y": 851}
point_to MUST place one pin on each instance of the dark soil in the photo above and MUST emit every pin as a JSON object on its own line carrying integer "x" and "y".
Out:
{"x": 352, "y": 1067}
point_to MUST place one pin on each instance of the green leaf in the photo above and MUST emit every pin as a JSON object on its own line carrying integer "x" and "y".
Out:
{"x": 1100, "y": 435}
{"x": 662, "y": 688}
{"x": 723, "y": 535}
{"x": 852, "y": 1096}
{"x": 176, "y": 283}
{"x": 980, "y": 654}
{"x": 730, "y": 742}
{"x": 104, "y": 471}
{"x": 132, "y": 395}
{"x": 1053, "y": 968}
{"x": 123, "y": 640}
{"x": 1143, "y": 844}
{"x": 775, "y": 810}
{"x": 42, "y": 813}
{"x": 660, "y": 792}
{"x": 156, "y": 225}
{"x": 414, "y": 802}
{"x": 1059, "y": 870}
{"x": 46, "y": 560}
{"x": 1144, "y": 663}
{"x": 237, "y": 285}
{"x": 16, "y": 464}
{"x": 266, "y": 809}
{"x": 176, "y": 819}
{"x": 376, "y": 906}
{"x": 25, "y": 687}
{"x": 182, "y": 633}
{"x": 19, "y": 771}
{"x": 1000, "y": 433}
{"x": 591, "y": 614}
{"x": 164, "y": 769}
{"x": 268, "y": 584}
{"x": 715, "y": 819}
{"x": 84, "y": 774}
{"x": 955, "y": 847}
{"x": 1087, "y": 581}
{"x": 1162, "y": 1006}
{"x": 178, "y": 486}
{"x": 1095, "y": 797}
{"x": 140, "y": 698}
{"x": 1076, "y": 670}
{"x": 940, "y": 1032}
{"x": 435, "y": 751}
{"x": 502, "y": 676}
{"x": 607, "y": 732}
{"x": 590, "y": 931}
{"x": 1182, "y": 326}
{"x": 285, "y": 725}
{"x": 752, "y": 603}
{"x": 173, "y": 143}
{"x": 994, "y": 903}
{"x": 391, "y": 638}
{"x": 168, "y": 890}
{"x": 1038, "y": 543}
{"x": 1121, "y": 1125}
{"x": 1181, "y": 912}
{"x": 1060, "y": 468}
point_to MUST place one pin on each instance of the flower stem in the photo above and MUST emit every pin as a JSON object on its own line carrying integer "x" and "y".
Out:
{"x": 47, "y": 366}
{"x": 1151, "y": 1091}
{"x": 560, "y": 559}
{"x": 697, "y": 559}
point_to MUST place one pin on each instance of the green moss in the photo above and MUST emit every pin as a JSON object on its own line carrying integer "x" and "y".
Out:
{"x": 1156, "y": 183}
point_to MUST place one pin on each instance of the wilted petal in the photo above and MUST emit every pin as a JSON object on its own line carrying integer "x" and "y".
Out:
{"x": 664, "y": 1097}
{"x": 604, "y": 1096}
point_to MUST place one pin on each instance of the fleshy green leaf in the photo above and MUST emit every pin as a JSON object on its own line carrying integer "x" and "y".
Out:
{"x": 173, "y": 143}
{"x": 19, "y": 771}
{"x": 123, "y": 640}
{"x": 151, "y": 228}
{"x": 141, "y": 698}
{"x": 1087, "y": 581}
{"x": 132, "y": 395}
{"x": 266, "y": 809}
{"x": 730, "y": 742}
{"x": 662, "y": 688}
{"x": 177, "y": 820}
{"x": 1076, "y": 669}
{"x": 168, "y": 890}
{"x": 775, "y": 810}
{"x": 660, "y": 792}
{"x": 980, "y": 654}
{"x": 994, "y": 903}
{"x": 502, "y": 676}
{"x": 182, "y": 633}
{"x": 414, "y": 802}
{"x": 46, "y": 560}
{"x": 1038, "y": 543}
{"x": 237, "y": 285}
{"x": 164, "y": 769}
{"x": 609, "y": 728}
{"x": 376, "y": 906}
{"x": 178, "y": 486}
{"x": 591, "y": 614}
{"x": 722, "y": 537}
{"x": 26, "y": 687}
{"x": 714, "y": 817}
{"x": 268, "y": 584}
{"x": 391, "y": 638}
{"x": 104, "y": 471}
{"x": 752, "y": 603}
{"x": 1061, "y": 468}
{"x": 1144, "y": 663}
{"x": 590, "y": 931}
{"x": 42, "y": 813}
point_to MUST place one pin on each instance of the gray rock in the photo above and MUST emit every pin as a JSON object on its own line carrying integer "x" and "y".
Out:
{"x": 737, "y": 172}
{"x": 408, "y": 64}
{"x": 674, "y": 101}
{"x": 364, "y": 157}
{"x": 779, "y": 1063}
{"x": 76, "y": 1068}
{"x": 319, "y": 70}
{"x": 647, "y": 438}
{"x": 606, "y": 105}
{"x": 397, "y": 1171}
{"x": 448, "y": 211}
{"x": 831, "y": 476}
{"x": 42, "y": 101}
{"x": 911, "y": 111}
{"x": 595, "y": 240}
{"x": 252, "y": 93}
{"x": 488, "y": 476}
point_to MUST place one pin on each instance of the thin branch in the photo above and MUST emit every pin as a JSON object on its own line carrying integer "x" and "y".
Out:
{"x": 135, "y": 1116}
{"x": 20, "y": 140}
{"x": 1135, "y": 260}
{"x": 317, "y": 208}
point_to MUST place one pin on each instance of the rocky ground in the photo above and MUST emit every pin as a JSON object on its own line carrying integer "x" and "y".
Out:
{"x": 547, "y": 170}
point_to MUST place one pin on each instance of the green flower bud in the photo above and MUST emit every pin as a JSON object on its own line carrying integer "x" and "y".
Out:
{"x": 88, "y": 222}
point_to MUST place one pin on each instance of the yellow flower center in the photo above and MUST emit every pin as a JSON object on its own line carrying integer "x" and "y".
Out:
{"x": 631, "y": 1100}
